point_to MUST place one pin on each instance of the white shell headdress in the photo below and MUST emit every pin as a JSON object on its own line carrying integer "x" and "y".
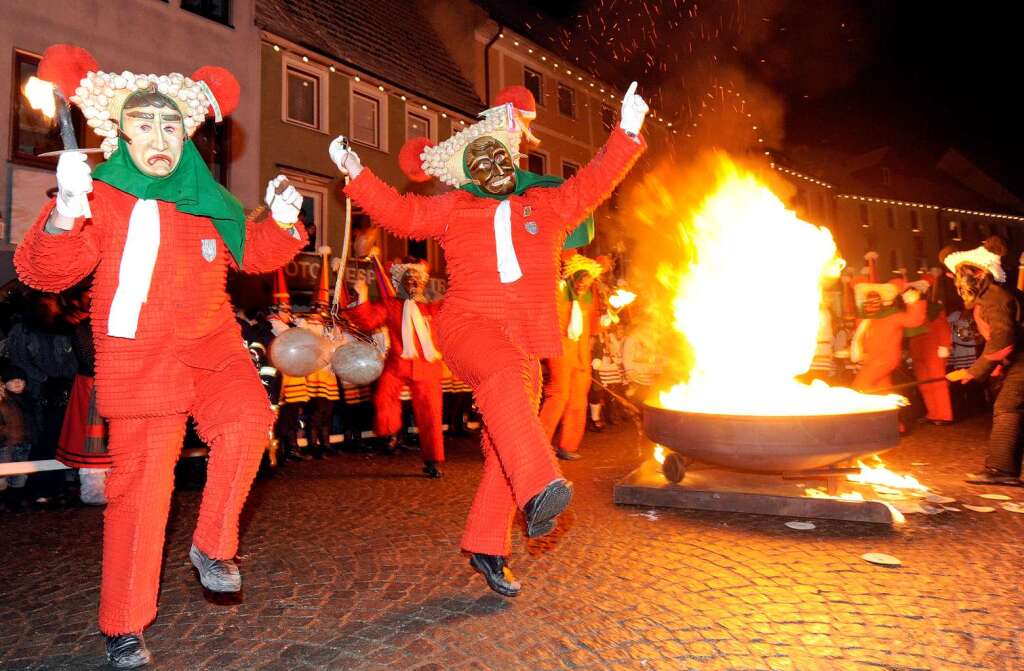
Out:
{"x": 446, "y": 160}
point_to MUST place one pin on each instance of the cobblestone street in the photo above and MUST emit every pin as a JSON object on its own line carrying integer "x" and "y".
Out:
{"x": 353, "y": 563}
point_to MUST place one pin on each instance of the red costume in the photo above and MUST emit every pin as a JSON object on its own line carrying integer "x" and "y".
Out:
{"x": 403, "y": 368}
{"x": 879, "y": 336}
{"x": 186, "y": 359}
{"x": 493, "y": 333}
{"x": 569, "y": 375}
{"x": 935, "y": 334}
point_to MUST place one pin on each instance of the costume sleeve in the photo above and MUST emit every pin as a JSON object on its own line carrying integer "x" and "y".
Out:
{"x": 368, "y": 316}
{"x": 915, "y": 314}
{"x": 57, "y": 261}
{"x": 405, "y": 215}
{"x": 593, "y": 184}
{"x": 1000, "y": 316}
{"x": 268, "y": 246}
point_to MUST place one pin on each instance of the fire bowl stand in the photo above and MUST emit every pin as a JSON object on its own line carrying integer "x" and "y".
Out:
{"x": 717, "y": 489}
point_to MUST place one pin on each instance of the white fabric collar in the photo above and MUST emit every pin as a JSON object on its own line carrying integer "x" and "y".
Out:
{"x": 136, "y": 272}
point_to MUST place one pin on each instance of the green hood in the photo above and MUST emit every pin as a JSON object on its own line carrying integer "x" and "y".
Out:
{"x": 190, "y": 187}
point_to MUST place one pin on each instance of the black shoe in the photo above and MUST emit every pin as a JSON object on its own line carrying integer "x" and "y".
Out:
{"x": 934, "y": 422}
{"x": 127, "y": 651}
{"x": 499, "y": 577}
{"x": 597, "y": 426}
{"x": 543, "y": 528}
{"x": 546, "y": 506}
{"x": 217, "y": 575}
{"x": 565, "y": 455}
{"x": 990, "y": 476}
{"x": 431, "y": 470}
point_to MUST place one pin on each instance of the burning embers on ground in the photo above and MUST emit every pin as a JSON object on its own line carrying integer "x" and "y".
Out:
{"x": 747, "y": 293}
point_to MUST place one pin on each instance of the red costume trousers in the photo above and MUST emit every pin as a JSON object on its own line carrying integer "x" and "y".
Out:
{"x": 233, "y": 416}
{"x": 425, "y": 387}
{"x": 924, "y": 350}
{"x": 565, "y": 401}
{"x": 518, "y": 460}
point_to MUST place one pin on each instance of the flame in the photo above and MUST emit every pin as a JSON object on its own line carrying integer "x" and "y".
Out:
{"x": 621, "y": 298}
{"x": 659, "y": 454}
{"x": 748, "y": 300}
{"x": 880, "y": 475}
{"x": 39, "y": 94}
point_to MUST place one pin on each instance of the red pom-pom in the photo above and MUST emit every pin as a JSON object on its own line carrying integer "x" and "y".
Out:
{"x": 519, "y": 96}
{"x": 223, "y": 85}
{"x": 65, "y": 65}
{"x": 409, "y": 158}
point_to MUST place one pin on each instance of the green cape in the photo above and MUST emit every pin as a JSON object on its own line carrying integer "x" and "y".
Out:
{"x": 190, "y": 186}
{"x": 525, "y": 179}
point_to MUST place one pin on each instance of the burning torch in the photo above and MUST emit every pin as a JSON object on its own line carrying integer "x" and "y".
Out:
{"x": 616, "y": 302}
{"x": 50, "y": 100}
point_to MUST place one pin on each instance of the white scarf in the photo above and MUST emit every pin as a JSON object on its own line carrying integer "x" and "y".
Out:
{"x": 136, "y": 272}
{"x": 575, "y": 321}
{"x": 412, "y": 321}
{"x": 508, "y": 264}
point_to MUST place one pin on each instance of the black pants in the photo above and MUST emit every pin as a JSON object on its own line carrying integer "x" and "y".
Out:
{"x": 1003, "y": 443}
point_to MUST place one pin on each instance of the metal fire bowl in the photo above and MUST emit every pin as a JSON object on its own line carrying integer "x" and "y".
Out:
{"x": 769, "y": 444}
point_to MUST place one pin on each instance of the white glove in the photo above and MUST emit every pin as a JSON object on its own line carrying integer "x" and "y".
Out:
{"x": 74, "y": 183}
{"x": 347, "y": 160}
{"x": 634, "y": 109}
{"x": 910, "y": 296}
{"x": 284, "y": 206}
{"x": 943, "y": 352}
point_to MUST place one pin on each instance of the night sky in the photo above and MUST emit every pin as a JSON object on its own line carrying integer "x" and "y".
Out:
{"x": 851, "y": 75}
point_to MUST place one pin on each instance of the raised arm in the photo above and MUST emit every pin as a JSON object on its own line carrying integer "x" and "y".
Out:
{"x": 594, "y": 183}
{"x": 405, "y": 215}
{"x": 273, "y": 241}
{"x": 61, "y": 247}
{"x": 53, "y": 260}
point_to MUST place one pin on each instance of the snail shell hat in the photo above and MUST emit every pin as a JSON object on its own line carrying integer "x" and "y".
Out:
{"x": 446, "y": 160}
{"x": 209, "y": 91}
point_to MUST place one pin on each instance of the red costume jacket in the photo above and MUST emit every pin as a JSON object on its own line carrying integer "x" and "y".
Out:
{"x": 369, "y": 316}
{"x": 464, "y": 225}
{"x": 187, "y": 320}
{"x": 882, "y": 343}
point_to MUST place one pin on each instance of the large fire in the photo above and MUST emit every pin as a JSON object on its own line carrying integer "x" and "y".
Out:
{"x": 748, "y": 299}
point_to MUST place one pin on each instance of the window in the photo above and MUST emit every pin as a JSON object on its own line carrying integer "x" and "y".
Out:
{"x": 537, "y": 163}
{"x": 31, "y": 132}
{"x": 368, "y": 117}
{"x": 607, "y": 118}
{"x": 215, "y": 10}
{"x": 569, "y": 169}
{"x": 566, "y": 101}
{"x": 890, "y": 217}
{"x": 956, "y": 231}
{"x": 303, "y": 95}
{"x": 919, "y": 255}
{"x": 420, "y": 123}
{"x": 886, "y": 177}
{"x": 534, "y": 81}
{"x": 894, "y": 260}
{"x": 213, "y": 140}
{"x": 313, "y": 215}
{"x": 915, "y": 222}
{"x": 865, "y": 220}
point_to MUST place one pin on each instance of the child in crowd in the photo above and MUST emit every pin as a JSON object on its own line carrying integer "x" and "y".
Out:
{"x": 15, "y": 443}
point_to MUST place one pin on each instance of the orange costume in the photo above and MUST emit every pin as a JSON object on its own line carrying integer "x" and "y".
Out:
{"x": 186, "y": 359}
{"x": 403, "y": 368}
{"x": 879, "y": 337}
{"x": 493, "y": 332}
{"x": 569, "y": 375}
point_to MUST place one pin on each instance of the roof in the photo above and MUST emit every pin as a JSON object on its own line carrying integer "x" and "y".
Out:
{"x": 389, "y": 39}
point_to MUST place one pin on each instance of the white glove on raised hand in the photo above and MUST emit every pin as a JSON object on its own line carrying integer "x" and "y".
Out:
{"x": 74, "y": 183}
{"x": 347, "y": 160}
{"x": 943, "y": 352}
{"x": 634, "y": 109}
{"x": 284, "y": 206}
{"x": 911, "y": 296}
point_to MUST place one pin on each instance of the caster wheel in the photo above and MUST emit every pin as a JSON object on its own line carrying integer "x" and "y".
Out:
{"x": 674, "y": 468}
